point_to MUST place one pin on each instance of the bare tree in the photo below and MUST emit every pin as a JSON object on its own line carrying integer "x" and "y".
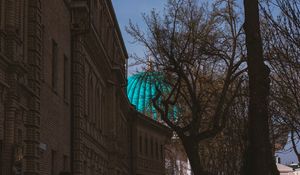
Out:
{"x": 199, "y": 53}
{"x": 223, "y": 155}
{"x": 282, "y": 43}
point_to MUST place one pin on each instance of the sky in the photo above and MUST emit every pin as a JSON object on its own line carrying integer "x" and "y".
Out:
{"x": 132, "y": 10}
{"x": 287, "y": 155}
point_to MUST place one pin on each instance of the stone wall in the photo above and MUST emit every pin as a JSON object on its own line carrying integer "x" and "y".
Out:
{"x": 55, "y": 120}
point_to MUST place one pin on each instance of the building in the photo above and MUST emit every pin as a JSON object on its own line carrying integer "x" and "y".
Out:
{"x": 141, "y": 89}
{"x": 149, "y": 145}
{"x": 63, "y": 102}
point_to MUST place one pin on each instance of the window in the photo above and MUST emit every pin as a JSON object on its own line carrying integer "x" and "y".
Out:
{"x": 161, "y": 152}
{"x": 90, "y": 99}
{"x": 20, "y": 136}
{"x": 141, "y": 144}
{"x": 19, "y": 16}
{"x": 1, "y": 150}
{"x": 92, "y": 170}
{"x": 1, "y": 11}
{"x": 54, "y": 65}
{"x": 1, "y": 24}
{"x": 66, "y": 161}
{"x": 151, "y": 147}
{"x": 85, "y": 167}
{"x": 53, "y": 166}
{"x": 156, "y": 150}
{"x": 98, "y": 108}
{"x": 102, "y": 109}
{"x": 146, "y": 145}
{"x": 66, "y": 78}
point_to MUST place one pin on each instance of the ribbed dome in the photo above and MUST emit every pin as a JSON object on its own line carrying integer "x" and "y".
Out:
{"x": 141, "y": 89}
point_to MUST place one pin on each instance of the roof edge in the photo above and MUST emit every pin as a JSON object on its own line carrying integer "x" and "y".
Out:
{"x": 112, "y": 10}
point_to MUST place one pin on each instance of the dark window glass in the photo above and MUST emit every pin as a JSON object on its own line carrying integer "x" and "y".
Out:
{"x": 66, "y": 78}
{"x": 53, "y": 157}
{"x": 151, "y": 147}
{"x": 156, "y": 150}
{"x": 54, "y": 65}
{"x": 20, "y": 136}
{"x": 161, "y": 152}
{"x": 146, "y": 146}
{"x": 66, "y": 161}
{"x": 141, "y": 143}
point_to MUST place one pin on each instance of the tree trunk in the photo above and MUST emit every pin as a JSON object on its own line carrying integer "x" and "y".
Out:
{"x": 192, "y": 150}
{"x": 259, "y": 159}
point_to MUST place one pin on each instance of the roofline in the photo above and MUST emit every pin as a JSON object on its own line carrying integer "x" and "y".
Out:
{"x": 111, "y": 8}
{"x": 152, "y": 122}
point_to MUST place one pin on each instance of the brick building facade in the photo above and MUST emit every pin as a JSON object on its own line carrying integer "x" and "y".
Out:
{"x": 63, "y": 104}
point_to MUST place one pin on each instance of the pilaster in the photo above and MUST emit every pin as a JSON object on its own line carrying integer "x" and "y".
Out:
{"x": 80, "y": 26}
{"x": 8, "y": 46}
{"x": 32, "y": 121}
{"x": 77, "y": 104}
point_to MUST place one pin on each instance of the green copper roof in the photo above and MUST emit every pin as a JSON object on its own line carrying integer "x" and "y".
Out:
{"x": 141, "y": 89}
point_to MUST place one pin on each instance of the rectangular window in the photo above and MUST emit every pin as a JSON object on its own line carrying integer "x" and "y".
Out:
{"x": 141, "y": 144}
{"x": 151, "y": 147}
{"x": 20, "y": 136}
{"x": 156, "y": 150}
{"x": 54, "y": 65}
{"x": 146, "y": 145}
{"x": 66, "y": 161}
{"x": 66, "y": 78}
{"x": 1, "y": 24}
{"x": 0, "y": 151}
{"x": 1, "y": 14}
{"x": 84, "y": 167}
{"x": 161, "y": 152}
{"x": 53, "y": 155}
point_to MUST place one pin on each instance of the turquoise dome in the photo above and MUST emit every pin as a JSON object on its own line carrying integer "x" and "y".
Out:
{"x": 142, "y": 88}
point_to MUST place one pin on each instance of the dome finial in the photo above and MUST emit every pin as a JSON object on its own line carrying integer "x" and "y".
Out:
{"x": 149, "y": 63}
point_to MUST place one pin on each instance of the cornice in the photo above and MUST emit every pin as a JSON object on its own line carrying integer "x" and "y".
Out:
{"x": 117, "y": 27}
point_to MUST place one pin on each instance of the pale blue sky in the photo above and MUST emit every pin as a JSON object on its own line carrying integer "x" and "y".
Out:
{"x": 132, "y": 10}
